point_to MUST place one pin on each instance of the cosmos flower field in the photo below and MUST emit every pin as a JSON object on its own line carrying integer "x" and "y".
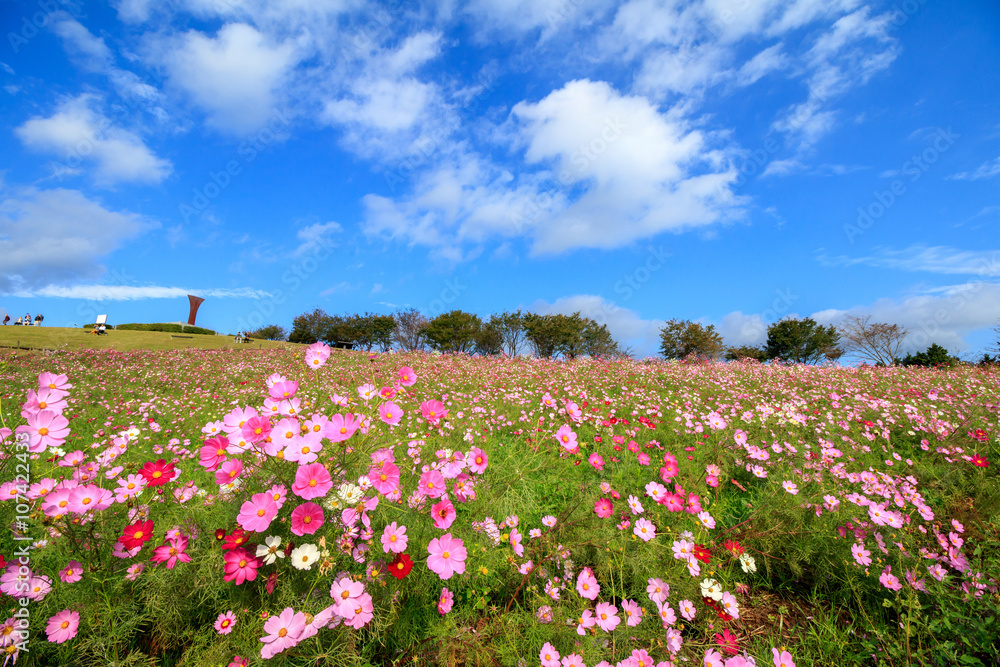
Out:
{"x": 327, "y": 507}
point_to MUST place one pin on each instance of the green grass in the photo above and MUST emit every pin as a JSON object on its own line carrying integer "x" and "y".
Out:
{"x": 54, "y": 338}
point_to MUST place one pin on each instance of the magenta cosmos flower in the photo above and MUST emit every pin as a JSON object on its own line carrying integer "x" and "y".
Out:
{"x": 384, "y": 477}
{"x": 257, "y": 513}
{"x": 478, "y": 461}
{"x": 432, "y": 484}
{"x": 213, "y": 452}
{"x": 394, "y": 538}
{"x": 566, "y": 438}
{"x": 390, "y": 413}
{"x": 63, "y": 626}
{"x": 72, "y": 573}
{"x": 312, "y": 481}
{"x": 240, "y": 566}
{"x": 447, "y": 556}
{"x": 256, "y": 429}
{"x": 171, "y": 552}
{"x": 604, "y": 508}
{"x": 407, "y": 377}
{"x": 282, "y": 631}
{"x": 307, "y": 519}
{"x": 446, "y": 601}
{"x": 225, "y": 622}
{"x": 444, "y": 514}
{"x": 433, "y": 411}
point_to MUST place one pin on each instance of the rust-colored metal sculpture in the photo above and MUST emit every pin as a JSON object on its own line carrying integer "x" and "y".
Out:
{"x": 195, "y": 302}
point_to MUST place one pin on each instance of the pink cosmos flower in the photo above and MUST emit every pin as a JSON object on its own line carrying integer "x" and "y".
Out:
{"x": 572, "y": 660}
{"x": 673, "y": 502}
{"x": 284, "y": 389}
{"x": 240, "y": 566}
{"x": 433, "y": 411}
{"x": 515, "y": 542}
{"x": 316, "y": 355}
{"x": 312, "y": 481}
{"x": 446, "y": 601}
{"x": 585, "y": 621}
{"x": 861, "y": 555}
{"x": 341, "y": 427}
{"x": 644, "y": 529}
{"x": 225, "y": 622}
{"x": 384, "y": 477}
{"x": 596, "y": 461}
{"x": 549, "y": 656}
{"x": 72, "y": 573}
{"x": 889, "y": 580}
{"x": 257, "y": 513}
{"x": 256, "y": 429}
{"x": 171, "y": 551}
{"x": 604, "y": 508}
{"x": 390, "y": 413}
{"x": 213, "y": 452}
{"x": 730, "y": 605}
{"x": 444, "y": 514}
{"x": 607, "y": 616}
{"x": 782, "y": 659}
{"x": 586, "y": 584}
{"x": 567, "y": 438}
{"x": 432, "y": 484}
{"x": 712, "y": 658}
{"x": 657, "y": 590}
{"x": 633, "y": 613}
{"x": 687, "y": 610}
{"x": 129, "y": 487}
{"x": 63, "y": 626}
{"x": 407, "y": 377}
{"x": 478, "y": 460}
{"x": 666, "y": 613}
{"x": 58, "y": 384}
{"x": 394, "y": 538}
{"x": 307, "y": 518}
{"x": 46, "y": 429}
{"x": 89, "y": 497}
{"x": 282, "y": 631}
{"x": 346, "y": 594}
{"x": 447, "y": 556}
{"x": 363, "y": 612}
{"x": 305, "y": 449}
{"x": 790, "y": 487}
{"x": 228, "y": 471}
{"x": 693, "y": 504}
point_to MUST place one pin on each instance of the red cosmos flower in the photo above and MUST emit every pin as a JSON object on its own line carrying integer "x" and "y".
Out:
{"x": 727, "y": 641}
{"x": 272, "y": 579}
{"x": 400, "y": 566}
{"x": 724, "y": 616}
{"x": 980, "y": 462}
{"x": 702, "y": 554}
{"x": 711, "y": 604}
{"x": 157, "y": 474}
{"x": 3, "y": 561}
{"x": 734, "y": 547}
{"x": 137, "y": 534}
{"x": 237, "y": 539}
{"x": 220, "y": 534}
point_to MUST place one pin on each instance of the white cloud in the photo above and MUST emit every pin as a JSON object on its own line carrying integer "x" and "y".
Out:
{"x": 508, "y": 18}
{"x": 136, "y": 292}
{"x": 315, "y": 235}
{"x": 236, "y": 77}
{"x": 57, "y": 236}
{"x": 769, "y": 60}
{"x": 77, "y": 133}
{"x": 989, "y": 169}
{"x": 625, "y": 325}
{"x": 930, "y": 259}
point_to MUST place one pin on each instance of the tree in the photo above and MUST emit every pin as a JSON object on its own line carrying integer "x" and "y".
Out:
{"x": 935, "y": 355}
{"x": 802, "y": 340}
{"x": 454, "y": 331}
{"x": 680, "y": 338}
{"x": 569, "y": 339}
{"x": 597, "y": 340}
{"x": 489, "y": 340}
{"x": 877, "y": 342}
{"x": 408, "y": 332}
{"x": 511, "y": 326}
{"x": 746, "y": 352}
{"x": 269, "y": 332}
{"x": 308, "y": 328}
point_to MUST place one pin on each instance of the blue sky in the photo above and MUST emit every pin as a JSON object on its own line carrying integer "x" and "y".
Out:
{"x": 727, "y": 161}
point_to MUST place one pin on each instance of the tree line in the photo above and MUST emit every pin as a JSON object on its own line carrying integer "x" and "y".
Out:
{"x": 509, "y": 333}
{"x": 800, "y": 340}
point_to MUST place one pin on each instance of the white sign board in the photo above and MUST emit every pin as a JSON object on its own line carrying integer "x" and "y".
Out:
{"x": 101, "y": 319}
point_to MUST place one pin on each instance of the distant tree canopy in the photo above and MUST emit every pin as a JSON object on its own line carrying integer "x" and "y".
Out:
{"x": 877, "y": 342}
{"x": 568, "y": 335}
{"x": 366, "y": 331}
{"x": 681, "y": 338}
{"x": 269, "y": 332}
{"x": 802, "y": 341}
{"x": 454, "y": 331}
{"x": 935, "y": 355}
{"x": 746, "y": 352}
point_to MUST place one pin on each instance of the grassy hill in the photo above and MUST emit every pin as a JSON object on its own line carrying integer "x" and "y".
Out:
{"x": 52, "y": 338}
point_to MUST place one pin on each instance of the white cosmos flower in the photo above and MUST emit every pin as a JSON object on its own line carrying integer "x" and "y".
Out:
{"x": 271, "y": 550}
{"x": 304, "y": 556}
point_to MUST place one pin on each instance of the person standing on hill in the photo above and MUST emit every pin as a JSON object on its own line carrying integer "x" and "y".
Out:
{"x": 38, "y": 319}
{"x": 6, "y": 318}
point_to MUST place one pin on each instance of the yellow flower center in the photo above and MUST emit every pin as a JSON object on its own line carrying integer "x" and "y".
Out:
{"x": 43, "y": 431}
